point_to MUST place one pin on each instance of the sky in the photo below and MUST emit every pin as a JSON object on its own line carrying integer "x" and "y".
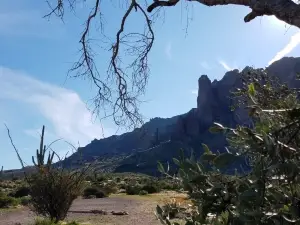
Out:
{"x": 36, "y": 54}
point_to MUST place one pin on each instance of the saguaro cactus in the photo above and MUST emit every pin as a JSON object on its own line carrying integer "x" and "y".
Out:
{"x": 40, "y": 154}
{"x": 1, "y": 172}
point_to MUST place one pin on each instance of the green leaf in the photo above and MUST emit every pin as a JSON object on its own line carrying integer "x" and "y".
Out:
{"x": 199, "y": 178}
{"x": 206, "y": 149}
{"x": 251, "y": 89}
{"x": 160, "y": 167}
{"x": 158, "y": 209}
{"x": 224, "y": 160}
{"x": 176, "y": 161}
{"x": 248, "y": 195}
{"x": 208, "y": 157}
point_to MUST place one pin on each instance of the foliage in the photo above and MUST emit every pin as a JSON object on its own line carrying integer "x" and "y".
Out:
{"x": 143, "y": 192}
{"x": 26, "y": 200}
{"x": 133, "y": 189}
{"x": 112, "y": 183}
{"x": 168, "y": 184}
{"x": 52, "y": 188}
{"x": 94, "y": 191}
{"x": 269, "y": 193}
{"x": 7, "y": 201}
{"x": 21, "y": 192}
{"x": 151, "y": 187}
{"x": 171, "y": 210}
{"x": 51, "y": 222}
{"x": 53, "y": 193}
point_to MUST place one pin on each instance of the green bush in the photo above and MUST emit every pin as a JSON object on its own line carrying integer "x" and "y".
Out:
{"x": 51, "y": 222}
{"x": 94, "y": 191}
{"x": 109, "y": 188}
{"x": 21, "y": 192}
{"x": 143, "y": 192}
{"x": 25, "y": 200}
{"x": 52, "y": 192}
{"x": 7, "y": 201}
{"x": 151, "y": 188}
{"x": 256, "y": 179}
{"x": 133, "y": 189}
{"x": 170, "y": 185}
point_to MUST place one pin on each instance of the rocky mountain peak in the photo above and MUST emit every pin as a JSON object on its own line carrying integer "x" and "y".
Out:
{"x": 188, "y": 130}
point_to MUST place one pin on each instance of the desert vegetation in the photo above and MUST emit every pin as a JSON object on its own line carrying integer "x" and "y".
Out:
{"x": 253, "y": 180}
{"x": 50, "y": 189}
{"x": 267, "y": 192}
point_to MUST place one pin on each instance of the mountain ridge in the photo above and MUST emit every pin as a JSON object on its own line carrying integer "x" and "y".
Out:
{"x": 161, "y": 138}
{"x": 187, "y": 130}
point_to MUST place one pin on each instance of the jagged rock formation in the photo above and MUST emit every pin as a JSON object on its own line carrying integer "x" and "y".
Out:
{"x": 184, "y": 131}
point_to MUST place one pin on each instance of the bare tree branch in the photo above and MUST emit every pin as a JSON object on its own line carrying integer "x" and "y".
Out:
{"x": 285, "y": 10}
{"x": 16, "y": 150}
{"x": 120, "y": 89}
{"x": 123, "y": 85}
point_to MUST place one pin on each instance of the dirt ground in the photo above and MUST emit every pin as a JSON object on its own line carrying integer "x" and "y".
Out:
{"x": 140, "y": 211}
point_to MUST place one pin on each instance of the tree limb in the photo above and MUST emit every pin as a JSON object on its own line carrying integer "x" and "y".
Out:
{"x": 285, "y": 10}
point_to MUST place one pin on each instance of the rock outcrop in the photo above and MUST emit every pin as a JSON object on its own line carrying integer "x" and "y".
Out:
{"x": 184, "y": 131}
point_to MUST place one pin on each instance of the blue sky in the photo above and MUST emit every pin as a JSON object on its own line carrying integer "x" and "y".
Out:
{"x": 35, "y": 55}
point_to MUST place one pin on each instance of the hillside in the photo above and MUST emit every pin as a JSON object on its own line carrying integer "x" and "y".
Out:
{"x": 161, "y": 138}
{"x": 139, "y": 150}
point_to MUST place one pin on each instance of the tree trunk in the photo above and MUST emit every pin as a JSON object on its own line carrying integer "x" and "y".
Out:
{"x": 285, "y": 10}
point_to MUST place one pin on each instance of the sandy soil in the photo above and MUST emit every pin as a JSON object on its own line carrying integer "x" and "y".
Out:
{"x": 140, "y": 209}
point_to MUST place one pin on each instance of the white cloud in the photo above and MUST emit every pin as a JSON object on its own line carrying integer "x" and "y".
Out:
{"x": 205, "y": 65}
{"x": 36, "y": 133}
{"x": 63, "y": 108}
{"x": 293, "y": 43}
{"x": 168, "y": 50}
{"x": 225, "y": 65}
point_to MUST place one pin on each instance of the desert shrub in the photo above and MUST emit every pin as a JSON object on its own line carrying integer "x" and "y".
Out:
{"x": 143, "y": 192}
{"x": 133, "y": 189}
{"x": 170, "y": 185}
{"x": 21, "y": 192}
{"x": 89, "y": 178}
{"x": 25, "y": 200}
{"x": 256, "y": 180}
{"x": 52, "y": 188}
{"x": 7, "y": 201}
{"x": 44, "y": 222}
{"x": 151, "y": 187}
{"x": 53, "y": 192}
{"x": 94, "y": 191}
{"x": 110, "y": 187}
{"x": 100, "y": 178}
{"x": 122, "y": 185}
{"x": 171, "y": 210}
{"x": 51, "y": 222}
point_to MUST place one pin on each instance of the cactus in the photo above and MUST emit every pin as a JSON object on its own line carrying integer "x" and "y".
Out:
{"x": 40, "y": 154}
{"x": 1, "y": 172}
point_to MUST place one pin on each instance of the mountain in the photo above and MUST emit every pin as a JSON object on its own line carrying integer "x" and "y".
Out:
{"x": 161, "y": 138}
